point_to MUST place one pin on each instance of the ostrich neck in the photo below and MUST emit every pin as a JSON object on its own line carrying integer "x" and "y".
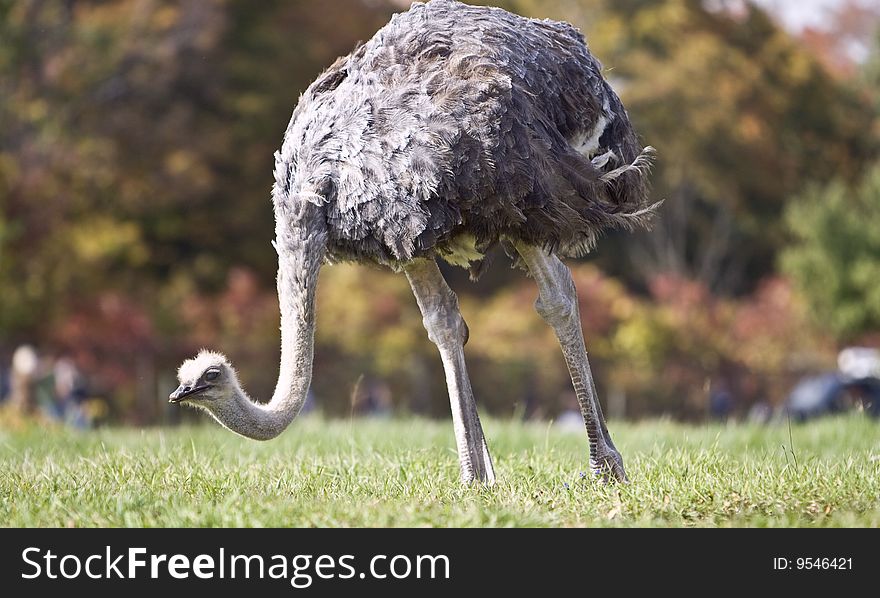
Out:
{"x": 300, "y": 241}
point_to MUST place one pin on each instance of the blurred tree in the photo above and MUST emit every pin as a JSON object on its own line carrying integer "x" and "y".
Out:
{"x": 845, "y": 37}
{"x": 136, "y": 141}
{"x": 368, "y": 325}
{"x": 870, "y": 75}
{"x": 835, "y": 255}
{"x": 106, "y": 137}
{"x": 742, "y": 117}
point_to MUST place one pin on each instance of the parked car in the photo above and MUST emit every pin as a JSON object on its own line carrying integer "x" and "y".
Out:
{"x": 833, "y": 392}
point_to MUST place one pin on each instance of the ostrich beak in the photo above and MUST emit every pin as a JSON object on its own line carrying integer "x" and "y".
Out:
{"x": 183, "y": 391}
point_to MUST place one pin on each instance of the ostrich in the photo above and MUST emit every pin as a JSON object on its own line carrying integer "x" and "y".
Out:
{"x": 455, "y": 128}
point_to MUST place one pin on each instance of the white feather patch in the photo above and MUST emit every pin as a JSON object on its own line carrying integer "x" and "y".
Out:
{"x": 641, "y": 163}
{"x": 587, "y": 144}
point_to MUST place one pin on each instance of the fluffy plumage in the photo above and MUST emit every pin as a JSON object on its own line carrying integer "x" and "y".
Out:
{"x": 191, "y": 369}
{"x": 459, "y": 120}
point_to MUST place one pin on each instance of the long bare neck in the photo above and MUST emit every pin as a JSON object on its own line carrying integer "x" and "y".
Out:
{"x": 300, "y": 240}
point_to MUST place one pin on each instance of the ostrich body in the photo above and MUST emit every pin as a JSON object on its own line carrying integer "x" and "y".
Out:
{"x": 453, "y": 129}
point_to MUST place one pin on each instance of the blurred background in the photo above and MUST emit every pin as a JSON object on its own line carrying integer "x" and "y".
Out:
{"x": 136, "y": 141}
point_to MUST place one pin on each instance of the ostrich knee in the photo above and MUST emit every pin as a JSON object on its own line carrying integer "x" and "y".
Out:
{"x": 557, "y": 302}
{"x": 443, "y": 321}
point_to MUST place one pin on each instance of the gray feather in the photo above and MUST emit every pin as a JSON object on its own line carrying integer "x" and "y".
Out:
{"x": 458, "y": 119}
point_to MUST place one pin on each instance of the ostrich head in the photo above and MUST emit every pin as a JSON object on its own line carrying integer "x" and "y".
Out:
{"x": 207, "y": 381}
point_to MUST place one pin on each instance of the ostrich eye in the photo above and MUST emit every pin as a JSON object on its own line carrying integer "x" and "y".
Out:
{"x": 211, "y": 375}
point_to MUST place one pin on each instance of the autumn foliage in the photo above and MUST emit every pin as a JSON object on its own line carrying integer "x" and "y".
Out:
{"x": 136, "y": 141}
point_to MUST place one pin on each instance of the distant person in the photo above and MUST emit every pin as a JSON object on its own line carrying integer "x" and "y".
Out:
{"x": 720, "y": 402}
{"x": 4, "y": 384}
{"x": 25, "y": 364}
{"x": 69, "y": 392}
{"x": 53, "y": 389}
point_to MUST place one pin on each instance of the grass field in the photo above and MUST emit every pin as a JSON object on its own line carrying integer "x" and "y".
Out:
{"x": 405, "y": 473}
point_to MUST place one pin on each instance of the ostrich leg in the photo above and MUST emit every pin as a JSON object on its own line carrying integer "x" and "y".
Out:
{"x": 557, "y": 304}
{"x": 447, "y": 329}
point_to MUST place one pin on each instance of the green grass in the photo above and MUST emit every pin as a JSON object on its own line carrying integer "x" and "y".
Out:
{"x": 405, "y": 473}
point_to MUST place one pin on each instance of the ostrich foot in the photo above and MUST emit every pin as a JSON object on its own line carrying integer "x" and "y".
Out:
{"x": 607, "y": 466}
